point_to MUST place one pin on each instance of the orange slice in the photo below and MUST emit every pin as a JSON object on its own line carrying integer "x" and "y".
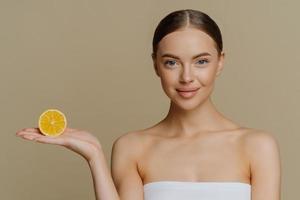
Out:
{"x": 52, "y": 122}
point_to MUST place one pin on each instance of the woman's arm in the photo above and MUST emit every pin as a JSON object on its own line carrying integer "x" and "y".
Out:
{"x": 86, "y": 145}
{"x": 125, "y": 173}
{"x": 125, "y": 176}
{"x": 126, "y": 151}
{"x": 264, "y": 155}
{"x": 103, "y": 184}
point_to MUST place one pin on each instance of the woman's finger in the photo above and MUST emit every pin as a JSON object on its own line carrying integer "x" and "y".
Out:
{"x": 43, "y": 139}
{"x": 27, "y": 130}
{"x": 28, "y": 137}
{"x": 50, "y": 140}
{"x": 70, "y": 129}
{"x": 35, "y": 130}
{"x": 22, "y": 133}
{"x": 34, "y": 135}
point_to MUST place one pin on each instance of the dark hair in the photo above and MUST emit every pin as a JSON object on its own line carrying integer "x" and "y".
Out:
{"x": 187, "y": 18}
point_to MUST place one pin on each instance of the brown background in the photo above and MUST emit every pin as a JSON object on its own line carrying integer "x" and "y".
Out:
{"x": 91, "y": 59}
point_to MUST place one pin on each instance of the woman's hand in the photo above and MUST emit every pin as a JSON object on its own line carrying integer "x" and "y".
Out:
{"x": 79, "y": 141}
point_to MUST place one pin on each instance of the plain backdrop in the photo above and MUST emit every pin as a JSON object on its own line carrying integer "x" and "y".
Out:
{"x": 91, "y": 59}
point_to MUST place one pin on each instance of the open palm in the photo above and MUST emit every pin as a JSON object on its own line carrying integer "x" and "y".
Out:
{"x": 79, "y": 141}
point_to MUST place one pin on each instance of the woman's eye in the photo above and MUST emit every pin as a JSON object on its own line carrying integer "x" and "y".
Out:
{"x": 170, "y": 62}
{"x": 203, "y": 61}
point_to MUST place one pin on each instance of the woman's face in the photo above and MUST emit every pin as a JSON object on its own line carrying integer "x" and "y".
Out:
{"x": 187, "y": 60}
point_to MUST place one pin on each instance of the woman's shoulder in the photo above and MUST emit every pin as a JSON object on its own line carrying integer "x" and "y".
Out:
{"x": 134, "y": 141}
{"x": 130, "y": 137}
{"x": 253, "y": 136}
{"x": 258, "y": 141}
{"x": 139, "y": 136}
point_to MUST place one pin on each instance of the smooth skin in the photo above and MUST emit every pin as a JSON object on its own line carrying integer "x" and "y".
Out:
{"x": 194, "y": 142}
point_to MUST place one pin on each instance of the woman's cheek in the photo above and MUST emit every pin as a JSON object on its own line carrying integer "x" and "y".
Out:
{"x": 168, "y": 78}
{"x": 206, "y": 77}
{"x": 168, "y": 83}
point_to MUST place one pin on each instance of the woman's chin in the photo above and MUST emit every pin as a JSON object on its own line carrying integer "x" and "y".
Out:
{"x": 186, "y": 105}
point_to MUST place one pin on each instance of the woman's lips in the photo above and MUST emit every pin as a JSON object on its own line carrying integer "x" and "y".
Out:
{"x": 187, "y": 93}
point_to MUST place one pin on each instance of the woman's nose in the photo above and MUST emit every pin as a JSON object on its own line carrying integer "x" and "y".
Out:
{"x": 186, "y": 74}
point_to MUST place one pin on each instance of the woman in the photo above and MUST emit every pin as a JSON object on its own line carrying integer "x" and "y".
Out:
{"x": 195, "y": 152}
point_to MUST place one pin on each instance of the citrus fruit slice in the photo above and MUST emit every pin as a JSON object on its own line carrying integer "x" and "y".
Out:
{"x": 52, "y": 122}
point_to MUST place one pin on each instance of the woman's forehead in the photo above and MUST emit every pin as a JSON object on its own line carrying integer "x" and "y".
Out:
{"x": 189, "y": 41}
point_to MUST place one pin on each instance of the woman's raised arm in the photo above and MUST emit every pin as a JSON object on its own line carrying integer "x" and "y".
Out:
{"x": 88, "y": 146}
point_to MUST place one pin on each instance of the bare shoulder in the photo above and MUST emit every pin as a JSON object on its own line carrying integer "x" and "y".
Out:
{"x": 128, "y": 139}
{"x": 261, "y": 146}
{"x": 262, "y": 149}
{"x": 257, "y": 139}
{"x": 126, "y": 151}
{"x": 130, "y": 142}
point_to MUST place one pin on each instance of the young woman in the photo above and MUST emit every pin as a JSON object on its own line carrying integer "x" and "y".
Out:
{"x": 195, "y": 152}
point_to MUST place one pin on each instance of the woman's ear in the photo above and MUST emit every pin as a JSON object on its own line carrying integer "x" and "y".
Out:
{"x": 155, "y": 65}
{"x": 220, "y": 63}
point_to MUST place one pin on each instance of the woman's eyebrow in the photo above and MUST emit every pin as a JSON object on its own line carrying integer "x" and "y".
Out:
{"x": 177, "y": 57}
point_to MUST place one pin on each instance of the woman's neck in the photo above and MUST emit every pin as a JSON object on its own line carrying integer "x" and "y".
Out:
{"x": 205, "y": 118}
